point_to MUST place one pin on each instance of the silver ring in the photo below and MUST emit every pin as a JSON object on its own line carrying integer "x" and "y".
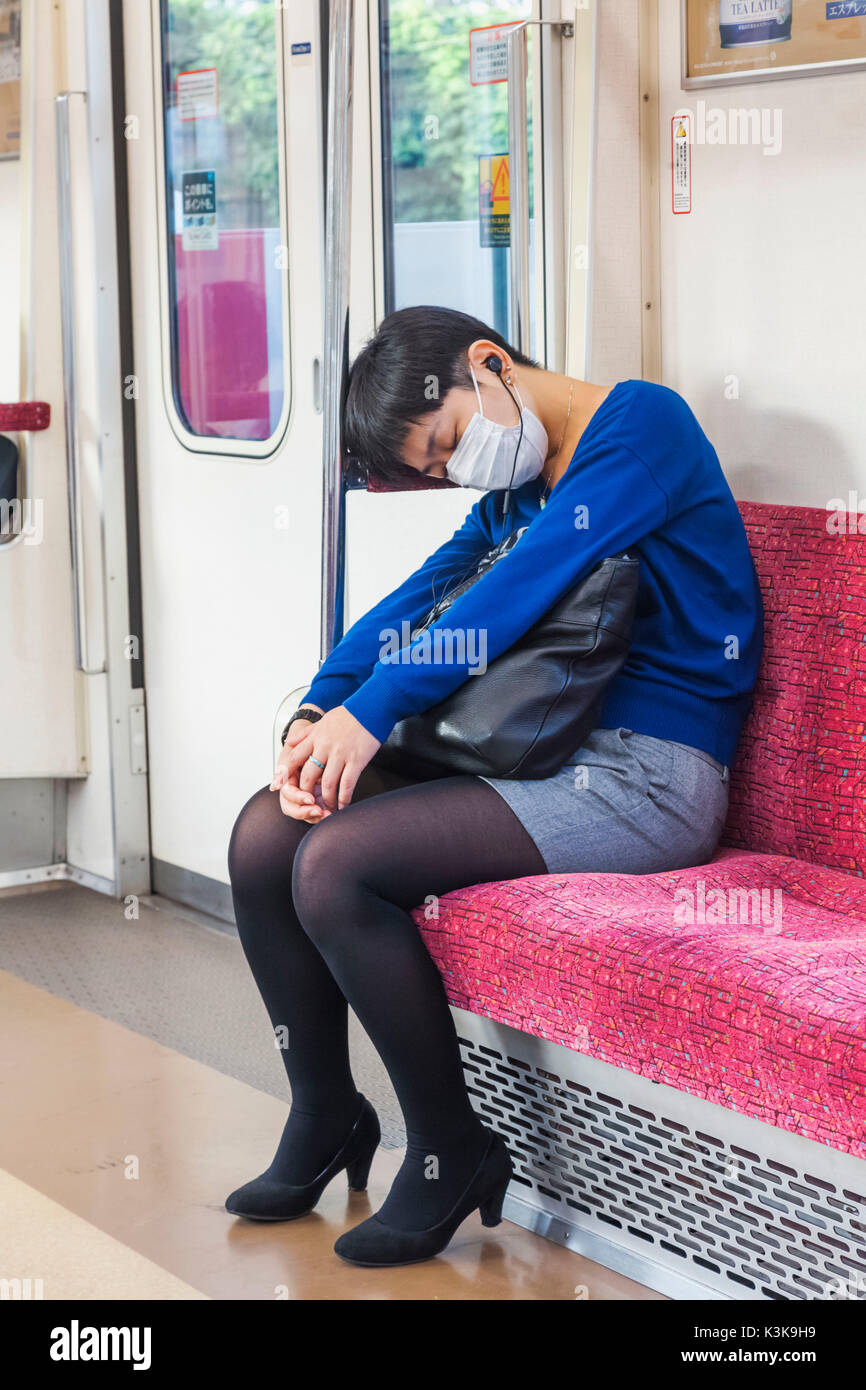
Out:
{"x": 311, "y": 759}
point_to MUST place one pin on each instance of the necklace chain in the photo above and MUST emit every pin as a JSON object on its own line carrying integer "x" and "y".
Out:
{"x": 560, "y": 444}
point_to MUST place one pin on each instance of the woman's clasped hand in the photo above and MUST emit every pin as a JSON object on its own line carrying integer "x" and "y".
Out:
{"x": 344, "y": 747}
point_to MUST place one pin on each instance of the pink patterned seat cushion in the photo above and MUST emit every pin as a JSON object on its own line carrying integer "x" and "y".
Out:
{"x": 756, "y": 999}
{"x": 798, "y": 785}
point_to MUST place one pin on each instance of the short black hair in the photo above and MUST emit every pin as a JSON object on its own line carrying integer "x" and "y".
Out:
{"x": 403, "y": 373}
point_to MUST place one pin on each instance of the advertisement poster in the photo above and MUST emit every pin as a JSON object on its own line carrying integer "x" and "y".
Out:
{"x": 10, "y": 78}
{"x": 745, "y": 40}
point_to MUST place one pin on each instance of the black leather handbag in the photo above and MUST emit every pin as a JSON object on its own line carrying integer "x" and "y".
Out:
{"x": 537, "y": 702}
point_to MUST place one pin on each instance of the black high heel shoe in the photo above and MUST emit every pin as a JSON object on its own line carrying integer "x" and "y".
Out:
{"x": 267, "y": 1199}
{"x": 374, "y": 1243}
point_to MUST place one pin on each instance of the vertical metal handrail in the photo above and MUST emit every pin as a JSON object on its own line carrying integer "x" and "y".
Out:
{"x": 518, "y": 177}
{"x": 518, "y": 188}
{"x": 70, "y": 378}
{"x": 338, "y": 222}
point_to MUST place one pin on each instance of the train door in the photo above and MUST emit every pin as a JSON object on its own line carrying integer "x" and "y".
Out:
{"x": 36, "y": 609}
{"x": 36, "y": 585}
{"x": 73, "y": 794}
{"x": 438, "y": 217}
{"x": 225, "y": 161}
{"x": 39, "y": 594}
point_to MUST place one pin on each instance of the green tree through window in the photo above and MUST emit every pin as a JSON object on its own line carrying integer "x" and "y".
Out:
{"x": 237, "y": 38}
{"x": 440, "y": 123}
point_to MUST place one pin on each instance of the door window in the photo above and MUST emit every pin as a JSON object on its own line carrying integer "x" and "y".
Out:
{"x": 226, "y": 239}
{"x": 444, "y": 120}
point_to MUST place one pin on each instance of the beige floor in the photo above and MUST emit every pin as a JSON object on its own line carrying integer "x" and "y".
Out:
{"x": 116, "y": 1155}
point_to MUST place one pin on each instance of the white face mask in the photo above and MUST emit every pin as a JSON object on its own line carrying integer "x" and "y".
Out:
{"x": 484, "y": 458}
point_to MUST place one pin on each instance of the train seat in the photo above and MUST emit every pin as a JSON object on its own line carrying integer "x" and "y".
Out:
{"x": 742, "y": 981}
{"x": 764, "y": 1014}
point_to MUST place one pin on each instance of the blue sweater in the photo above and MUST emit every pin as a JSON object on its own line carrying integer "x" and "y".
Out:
{"x": 645, "y": 477}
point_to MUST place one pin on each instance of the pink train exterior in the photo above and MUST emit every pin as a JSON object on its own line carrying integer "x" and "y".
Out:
{"x": 229, "y": 336}
{"x": 763, "y": 1012}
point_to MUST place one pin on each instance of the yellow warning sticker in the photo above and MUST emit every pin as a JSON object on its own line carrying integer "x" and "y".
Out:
{"x": 494, "y": 206}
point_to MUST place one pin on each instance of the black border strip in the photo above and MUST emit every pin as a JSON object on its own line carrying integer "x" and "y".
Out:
{"x": 386, "y": 154}
{"x": 126, "y": 349}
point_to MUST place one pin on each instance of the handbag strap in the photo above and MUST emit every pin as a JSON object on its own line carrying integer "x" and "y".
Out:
{"x": 487, "y": 560}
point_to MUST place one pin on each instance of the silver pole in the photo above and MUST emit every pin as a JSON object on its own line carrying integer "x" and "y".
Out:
{"x": 518, "y": 180}
{"x": 338, "y": 222}
{"x": 70, "y": 380}
{"x": 518, "y": 175}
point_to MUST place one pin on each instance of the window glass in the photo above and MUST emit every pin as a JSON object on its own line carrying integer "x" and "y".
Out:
{"x": 444, "y": 135}
{"x": 226, "y": 243}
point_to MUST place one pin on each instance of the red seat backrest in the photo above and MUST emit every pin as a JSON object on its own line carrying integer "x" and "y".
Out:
{"x": 798, "y": 783}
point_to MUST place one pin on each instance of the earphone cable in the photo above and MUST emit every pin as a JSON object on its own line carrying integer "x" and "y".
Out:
{"x": 506, "y": 503}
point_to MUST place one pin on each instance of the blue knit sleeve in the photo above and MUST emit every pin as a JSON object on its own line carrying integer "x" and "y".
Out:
{"x": 605, "y": 504}
{"x": 357, "y": 653}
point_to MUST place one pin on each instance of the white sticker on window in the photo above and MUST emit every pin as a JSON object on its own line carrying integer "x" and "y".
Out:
{"x": 198, "y": 193}
{"x": 198, "y": 94}
{"x": 488, "y": 54}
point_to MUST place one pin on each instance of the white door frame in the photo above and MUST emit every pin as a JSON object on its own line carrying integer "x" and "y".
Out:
{"x": 72, "y": 714}
{"x": 401, "y": 528}
{"x": 230, "y": 588}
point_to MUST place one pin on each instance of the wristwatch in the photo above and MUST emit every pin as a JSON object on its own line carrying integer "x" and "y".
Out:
{"x": 303, "y": 712}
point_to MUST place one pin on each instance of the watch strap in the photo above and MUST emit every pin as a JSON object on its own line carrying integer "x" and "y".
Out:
{"x": 302, "y": 712}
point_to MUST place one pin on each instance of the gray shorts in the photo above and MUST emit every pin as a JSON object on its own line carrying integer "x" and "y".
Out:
{"x": 624, "y": 803}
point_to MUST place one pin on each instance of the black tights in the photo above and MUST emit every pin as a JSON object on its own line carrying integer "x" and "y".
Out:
{"x": 323, "y": 919}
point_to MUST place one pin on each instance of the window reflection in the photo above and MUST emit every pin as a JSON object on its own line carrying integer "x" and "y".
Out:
{"x": 226, "y": 245}
{"x": 441, "y": 136}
